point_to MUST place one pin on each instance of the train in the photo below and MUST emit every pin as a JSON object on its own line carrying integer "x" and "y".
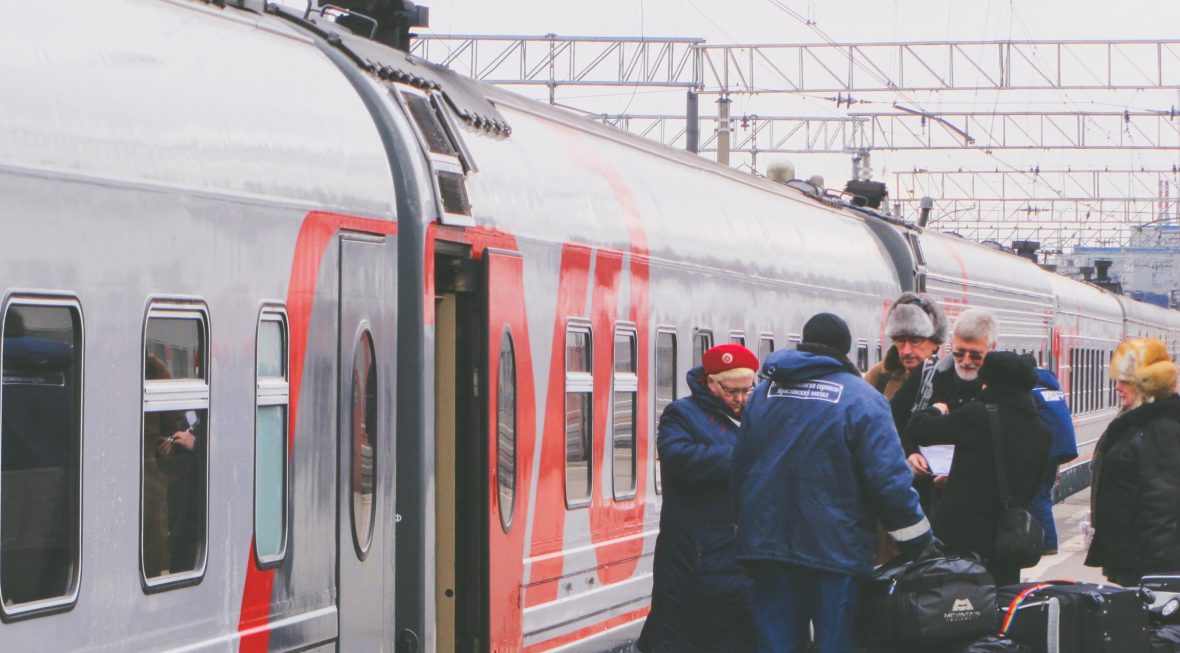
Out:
{"x": 311, "y": 345}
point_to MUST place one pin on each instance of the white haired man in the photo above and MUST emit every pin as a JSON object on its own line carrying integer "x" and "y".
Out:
{"x": 953, "y": 380}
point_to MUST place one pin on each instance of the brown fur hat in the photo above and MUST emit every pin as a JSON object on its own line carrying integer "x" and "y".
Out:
{"x": 1144, "y": 363}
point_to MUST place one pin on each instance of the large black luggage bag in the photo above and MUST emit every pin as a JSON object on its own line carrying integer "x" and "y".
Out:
{"x": 1075, "y": 618}
{"x": 914, "y": 605}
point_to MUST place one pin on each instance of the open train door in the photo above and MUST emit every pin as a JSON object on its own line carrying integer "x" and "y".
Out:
{"x": 365, "y": 485}
{"x": 508, "y": 402}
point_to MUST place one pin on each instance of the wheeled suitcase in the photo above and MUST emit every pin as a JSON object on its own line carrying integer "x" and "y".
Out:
{"x": 1164, "y": 593}
{"x": 1065, "y": 617}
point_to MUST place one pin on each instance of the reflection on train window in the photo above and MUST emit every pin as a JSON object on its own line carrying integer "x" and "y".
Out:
{"x": 702, "y": 343}
{"x": 737, "y": 338}
{"x": 41, "y": 443}
{"x": 623, "y": 397}
{"x": 665, "y": 385}
{"x": 175, "y": 443}
{"x": 579, "y": 388}
{"x": 363, "y": 426}
{"x": 506, "y": 429}
{"x": 270, "y": 440}
{"x": 765, "y": 347}
{"x": 862, "y": 356}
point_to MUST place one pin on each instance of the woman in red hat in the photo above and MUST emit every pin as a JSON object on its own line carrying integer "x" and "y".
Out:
{"x": 701, "y": 599}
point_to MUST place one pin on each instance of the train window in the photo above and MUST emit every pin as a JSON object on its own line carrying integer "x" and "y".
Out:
{"x": 793, "y": 341}
{"x": 737, "y": 338}
{"x": 765, "y": 348}
{"x": 174, "y": 494}
{"x": 665, "y": 384}
{"x": 41, "y": 441}
{"x": 702, "y": 343}
{"x": 452, "y": 188}
{"x": 428, "y": 123}
{"x": 879, "y": 351}
{"x": 862, "y": 356}
{"x": 365, "y": 455}
{"x": 272, "y": 396}
{"x": 579, "y": 389}
{"x": 623, "y": 403}
{"x": 506, "y": 429}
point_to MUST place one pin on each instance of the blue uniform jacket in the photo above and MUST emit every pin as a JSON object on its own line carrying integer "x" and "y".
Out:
{"x": 700, "y": 597}
{"x": 817, "y": 463}
{"x": 1054, "y": 412}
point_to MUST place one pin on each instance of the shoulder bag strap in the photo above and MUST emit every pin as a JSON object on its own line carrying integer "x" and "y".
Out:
{"x": 993, "y": 418}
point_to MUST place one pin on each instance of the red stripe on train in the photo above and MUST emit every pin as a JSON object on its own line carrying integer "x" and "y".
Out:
{"x": 588, "y": 631}
{"x": 315, "y": 234}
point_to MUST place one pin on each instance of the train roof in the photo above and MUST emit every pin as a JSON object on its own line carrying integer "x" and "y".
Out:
{"x": 186, "y": 96}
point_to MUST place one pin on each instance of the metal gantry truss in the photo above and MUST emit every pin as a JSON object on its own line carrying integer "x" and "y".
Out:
{"x": 553, "y": 60}
{"x": 1059, "y": 207}
{"x": 941, "y": 66}
{"x": 1093, "y": 207}
{"x": 969, "y": 130}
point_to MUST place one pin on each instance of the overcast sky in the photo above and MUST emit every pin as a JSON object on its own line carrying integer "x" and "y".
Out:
{"x": 772, "y": 21}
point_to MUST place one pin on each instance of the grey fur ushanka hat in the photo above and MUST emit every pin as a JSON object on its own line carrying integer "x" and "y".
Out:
{"x": 916, "y": 315}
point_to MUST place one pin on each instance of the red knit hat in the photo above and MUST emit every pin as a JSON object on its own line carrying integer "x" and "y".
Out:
{"x": 728, "y": 357}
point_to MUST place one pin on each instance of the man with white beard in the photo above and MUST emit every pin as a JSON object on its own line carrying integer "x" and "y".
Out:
{"x": 953, "y": 380}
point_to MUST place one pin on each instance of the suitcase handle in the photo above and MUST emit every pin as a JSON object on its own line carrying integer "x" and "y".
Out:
{"x": 1022, "y": 596}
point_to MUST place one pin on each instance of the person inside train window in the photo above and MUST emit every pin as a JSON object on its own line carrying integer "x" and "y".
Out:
{"x": 700, "y": 599}
{"x": 967, "y": 515}
{"x": 954, "y": 381}
{"x": 173, "y": 493}
{"x": 1054, "y": 412}
{"x": 817, "y": 464}
{"x": 917, "y": 326}
{"x": 1134, "y": 496}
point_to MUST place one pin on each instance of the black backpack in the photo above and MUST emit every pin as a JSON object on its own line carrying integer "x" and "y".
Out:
{"x": 918, "y": 603}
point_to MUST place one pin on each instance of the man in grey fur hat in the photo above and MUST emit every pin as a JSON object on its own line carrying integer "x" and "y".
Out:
{"x": 917, "y": 326}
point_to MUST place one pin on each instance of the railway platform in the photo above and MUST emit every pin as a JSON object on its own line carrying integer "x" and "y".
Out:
{"x": 1070, "y": 515}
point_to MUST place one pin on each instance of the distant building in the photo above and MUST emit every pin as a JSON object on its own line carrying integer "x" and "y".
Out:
{"x": 1148, "y": 268}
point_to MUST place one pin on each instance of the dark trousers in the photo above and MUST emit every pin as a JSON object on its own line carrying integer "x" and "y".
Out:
{"x": 788, "y": 598}
{"x": 1042, "y": 508}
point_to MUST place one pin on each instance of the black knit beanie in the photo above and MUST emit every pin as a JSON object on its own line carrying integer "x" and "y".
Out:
{"x": 829, "y": 330}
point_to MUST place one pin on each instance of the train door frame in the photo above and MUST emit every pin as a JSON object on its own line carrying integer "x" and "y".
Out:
{"x": 460, "y": 487}
{"x": 367, "y": 287}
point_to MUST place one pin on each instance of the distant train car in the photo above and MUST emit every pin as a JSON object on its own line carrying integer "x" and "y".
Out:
{"x": 309, "y": 345}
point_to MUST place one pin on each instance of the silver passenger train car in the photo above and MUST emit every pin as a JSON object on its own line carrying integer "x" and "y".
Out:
{"x": 310, "y": 345}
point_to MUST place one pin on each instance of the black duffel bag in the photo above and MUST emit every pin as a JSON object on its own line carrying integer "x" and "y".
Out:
{"x": 993, "y": 644}
{"x": 938, "y": 599}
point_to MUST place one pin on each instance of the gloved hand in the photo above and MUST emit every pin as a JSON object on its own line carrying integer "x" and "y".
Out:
{"x": 921, "y": 549}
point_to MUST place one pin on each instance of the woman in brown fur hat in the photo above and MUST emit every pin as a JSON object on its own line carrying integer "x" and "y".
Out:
{"x": 1135, "y": 495}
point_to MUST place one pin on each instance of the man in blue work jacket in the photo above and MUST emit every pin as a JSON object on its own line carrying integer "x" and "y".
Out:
{"x": 816, "y": 465}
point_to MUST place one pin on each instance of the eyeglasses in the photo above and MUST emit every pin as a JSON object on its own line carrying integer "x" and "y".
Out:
{"x": 912, "y": 341}
{"x": 973, "y": 355}
{"x": 736, "y": 392}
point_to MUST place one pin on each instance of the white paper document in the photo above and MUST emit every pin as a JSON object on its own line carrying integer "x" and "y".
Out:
{"x": 939, "y": 457}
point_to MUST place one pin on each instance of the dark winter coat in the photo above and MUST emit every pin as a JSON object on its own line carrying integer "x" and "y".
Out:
{"x": 966, "y": 515}
{"x": 817, "y": 464}
{"x": 1054, "y": 412}
{"x": 700, "y": 599}
{"x": 1136, "y": 492}
{"x": 947, "y": 389}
